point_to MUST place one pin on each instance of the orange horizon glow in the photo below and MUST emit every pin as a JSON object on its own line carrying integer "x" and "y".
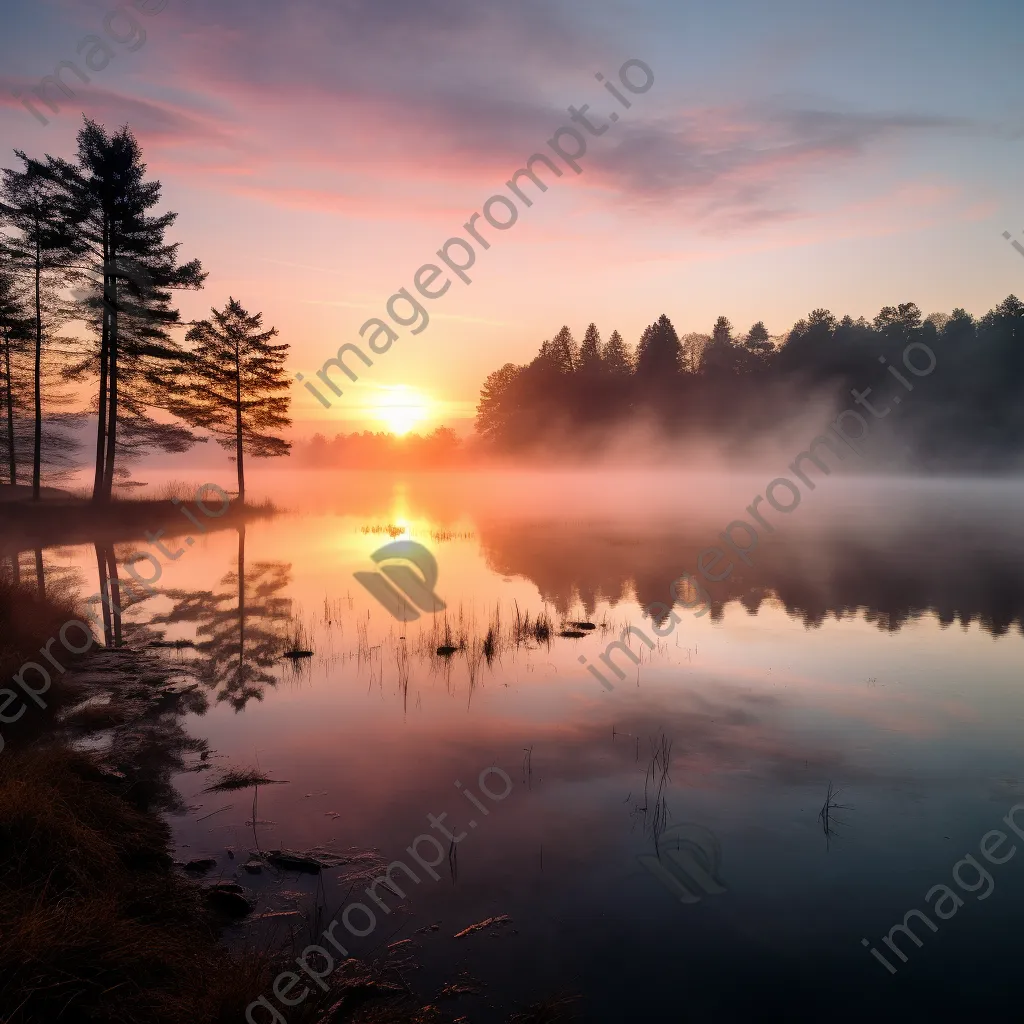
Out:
{"x": 401, "y": 408}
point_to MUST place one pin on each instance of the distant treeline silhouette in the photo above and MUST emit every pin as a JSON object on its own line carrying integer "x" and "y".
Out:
{"x": 442, "y": 448}
{"x": 735, "y": 386}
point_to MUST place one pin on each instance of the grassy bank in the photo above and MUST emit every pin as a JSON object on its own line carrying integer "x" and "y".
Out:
{"x": 96, "y": 924}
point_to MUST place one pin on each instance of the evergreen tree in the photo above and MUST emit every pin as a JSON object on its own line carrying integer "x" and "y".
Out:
{"x": 134, "y": 270}
{"x": 496, "y": 411}
{"x": 564, "y": 351}
{"x": 722, "y": 357}
{"x": 41, "y": 252}
{"x": 15, "y": 336}
{"x": 590, "y": 351}
{"x": 616, "y": 357}
{"x": 239, "y": 387}
{"x": 757, "y": 340}
{"x": 659, "y": 352}
{"x": 721, "y": 334}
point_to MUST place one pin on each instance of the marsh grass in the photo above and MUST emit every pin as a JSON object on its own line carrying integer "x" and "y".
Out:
{"x": 242, "y": 778}
{"x": 391, "y": 529}
{"x": 829, "y": 822}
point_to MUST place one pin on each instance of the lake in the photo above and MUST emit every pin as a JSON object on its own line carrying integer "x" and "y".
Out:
{"x": 709, "y": 836}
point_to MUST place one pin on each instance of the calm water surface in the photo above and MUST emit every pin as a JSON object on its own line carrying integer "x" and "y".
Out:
{"x": 875, "y": 644}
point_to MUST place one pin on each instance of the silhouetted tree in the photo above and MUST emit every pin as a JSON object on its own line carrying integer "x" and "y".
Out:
{"x": 15, "y": 337}
{"x": 590, "y": 351}
{"x": 41, "y": 251}
{"x": 757, "y": 340}
{"x": 134, "y": 270}
{"x": 658, "y": 352}
{"x": 616, "y": 357}
{"x": 496, "y": 418}
{"x": 238, "y": 387}
{"x": 564, "y": 352}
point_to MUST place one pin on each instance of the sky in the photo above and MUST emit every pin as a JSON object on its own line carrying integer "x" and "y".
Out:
{"x": 784, "y": 157}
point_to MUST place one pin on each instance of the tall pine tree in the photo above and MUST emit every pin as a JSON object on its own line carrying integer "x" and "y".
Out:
{"x": 15, "y": 339}
{"x": 238, "y": 388}
{"x": 41, "y": 252}
{"x": 134, "y": 270}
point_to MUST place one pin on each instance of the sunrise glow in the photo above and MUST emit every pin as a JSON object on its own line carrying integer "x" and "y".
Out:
{"x": 400, "y": 408}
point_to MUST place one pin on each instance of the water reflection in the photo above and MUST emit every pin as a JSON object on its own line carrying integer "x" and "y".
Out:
{"x": 240, "y": 629}
{"x": 705, "y": 775}
{"x": 892, "y": 569}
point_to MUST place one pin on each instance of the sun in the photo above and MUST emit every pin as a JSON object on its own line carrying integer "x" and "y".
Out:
{"x": 400, "y": 408}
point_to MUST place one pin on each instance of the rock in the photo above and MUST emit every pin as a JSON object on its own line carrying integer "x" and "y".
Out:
{"x": 200, "y": 866}
{"x": 229, "y": 899}
{"x": 254, "y": 867}
{"x": 226, "y": 887}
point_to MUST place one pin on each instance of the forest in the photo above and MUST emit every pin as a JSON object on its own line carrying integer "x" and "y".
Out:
{"x": 83, "y": 244}
{"x": 738, "y": 387}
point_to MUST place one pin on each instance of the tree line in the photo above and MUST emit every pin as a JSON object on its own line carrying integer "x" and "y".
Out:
{"x": 83, "y": 243}
{"x": 441, "y": 448}
{"x": 734, "y": 385}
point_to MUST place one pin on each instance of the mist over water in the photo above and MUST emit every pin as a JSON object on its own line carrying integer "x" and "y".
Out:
{"x": 874, "y": 642}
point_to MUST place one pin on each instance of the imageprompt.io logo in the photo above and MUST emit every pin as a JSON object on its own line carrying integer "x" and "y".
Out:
{"x": 689, "y": 859}
{"x": 397, "y": 587}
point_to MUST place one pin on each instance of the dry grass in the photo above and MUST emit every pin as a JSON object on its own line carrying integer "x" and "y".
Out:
{"x": 96, "y": 924}
{"x": 27, "y": 622}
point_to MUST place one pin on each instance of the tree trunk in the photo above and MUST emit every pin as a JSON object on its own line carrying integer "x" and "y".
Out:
{"x": 37, "y": 452}
{"x": 16, "y": 567}
{"x": 40, "y": 575}
{"x": 111, "y": 308}
{"x": 101, "y": 417}
{"x": 238, "y": 425}
{"x": 101, "y": 567}
{"x": 12, "y": 460}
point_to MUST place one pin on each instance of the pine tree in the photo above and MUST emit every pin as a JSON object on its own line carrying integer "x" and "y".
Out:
{"x": 616, "y": 357}
{"x": 496, "y": 411}
{"x": 42, "y": 253}
{"x": 722, "y": 332}
{"x": 564, "y": 351}
{"x": 659, "y": 353}
{"x": 590, "y": 350}
{"x": 15, "y": 336}
{"x": 133, "y": 270}
{"x": 757, "y": 340}
{"x": 238, "y": 388}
